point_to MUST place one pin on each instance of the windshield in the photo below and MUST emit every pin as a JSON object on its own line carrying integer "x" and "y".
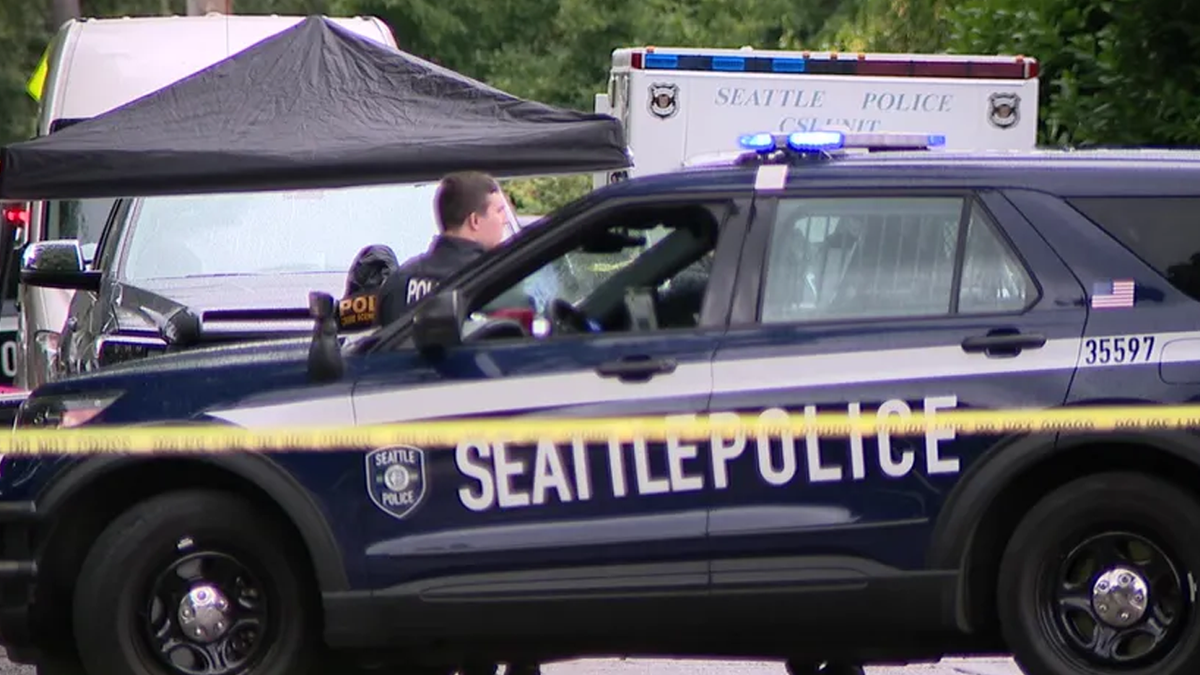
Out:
{"x": 305, "y": 231}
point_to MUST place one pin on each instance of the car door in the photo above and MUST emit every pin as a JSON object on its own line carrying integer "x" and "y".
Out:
{"x": 91, "y": 314}
{"x": 497, "y": 508}
{"x": 877, "y": 303}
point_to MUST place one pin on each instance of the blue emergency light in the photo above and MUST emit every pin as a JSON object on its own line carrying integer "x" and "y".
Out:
{"x": 816, "y": 140}
{"x": 829, "y": 140}
{"x": 758, "y": 142}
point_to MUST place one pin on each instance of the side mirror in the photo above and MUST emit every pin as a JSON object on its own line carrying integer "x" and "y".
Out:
{"x": 324, "y": 352}
{"x": 437, "y": 325}
{"x": 57, "y": 264}
{"x": 10, "y": 406}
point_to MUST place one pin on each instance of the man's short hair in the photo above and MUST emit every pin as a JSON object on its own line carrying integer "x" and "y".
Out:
{"x": 460, "y": 194}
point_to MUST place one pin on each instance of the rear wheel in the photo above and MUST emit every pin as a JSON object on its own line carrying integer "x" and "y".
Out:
{"x": 1098, "y": 579}
{"x": 194, "y": 583}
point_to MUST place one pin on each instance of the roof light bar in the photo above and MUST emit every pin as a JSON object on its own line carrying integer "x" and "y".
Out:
{"x": 1013, "y": 68}
{"x": 829, "y": 140}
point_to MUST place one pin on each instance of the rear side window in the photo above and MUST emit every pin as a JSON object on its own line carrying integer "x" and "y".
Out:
{"x": 864, "y": 258}
{"x": 1162, "y": 231}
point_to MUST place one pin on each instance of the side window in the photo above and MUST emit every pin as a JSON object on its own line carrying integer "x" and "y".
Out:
{"x": 1162, "y": 231}
{"x": 993, "y": 279}
{"x": 576, "y": 275}
{"x": 887, "y": 257}
{"x": 639, "y": 269}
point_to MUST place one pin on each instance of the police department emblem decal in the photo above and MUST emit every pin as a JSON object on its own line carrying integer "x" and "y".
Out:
{"x": 396, "y": 479}
{"x": 1004, "y": 110}
{"x": 664, "y": 100}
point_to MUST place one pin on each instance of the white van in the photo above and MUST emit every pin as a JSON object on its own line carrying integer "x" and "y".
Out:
{"x": 96, "y": 65}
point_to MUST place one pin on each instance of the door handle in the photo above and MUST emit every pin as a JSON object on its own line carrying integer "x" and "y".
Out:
{"x": 636, "y": 368}
{"x": 1003, "y": 342}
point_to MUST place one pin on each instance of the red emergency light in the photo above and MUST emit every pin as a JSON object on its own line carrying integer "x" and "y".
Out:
{"x": 15, "y": 214}
{"x": 1017, "y": 69}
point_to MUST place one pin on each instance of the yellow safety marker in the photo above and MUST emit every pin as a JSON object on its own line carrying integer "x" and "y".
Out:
{"x": 37, "y": 81}
{"x": 527, "y": 430}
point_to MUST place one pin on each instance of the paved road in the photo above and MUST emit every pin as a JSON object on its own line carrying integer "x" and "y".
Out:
{"x": 665, "y": 667}
{"x": 674, "y": 667}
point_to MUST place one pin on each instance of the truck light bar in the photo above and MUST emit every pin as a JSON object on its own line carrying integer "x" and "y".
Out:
{"x": 827, "y": 141}
{"x": 1019, "y": 68}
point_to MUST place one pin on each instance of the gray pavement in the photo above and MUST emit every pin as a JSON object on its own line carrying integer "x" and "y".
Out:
{"x": 9, "y": 668}
{"x": 679, "y": 667}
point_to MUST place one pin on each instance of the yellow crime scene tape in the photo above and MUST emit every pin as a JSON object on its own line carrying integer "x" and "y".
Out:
{"x": 531, "y": 430}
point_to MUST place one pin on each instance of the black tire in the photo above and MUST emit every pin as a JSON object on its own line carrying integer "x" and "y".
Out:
{"x": 1094, "y": 518}
{"x": 141, "y": 545}
{"x": 58, "y": 664}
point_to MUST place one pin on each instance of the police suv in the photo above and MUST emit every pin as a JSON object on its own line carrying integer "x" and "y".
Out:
{"x": 872, "y": 275}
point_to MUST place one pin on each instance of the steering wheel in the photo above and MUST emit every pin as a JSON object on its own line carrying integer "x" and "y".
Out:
{"x": 565, "y": 316}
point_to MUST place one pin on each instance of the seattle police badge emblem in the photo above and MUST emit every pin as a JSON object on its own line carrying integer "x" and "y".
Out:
{"x": 1004, "y": 110}
{"x": 396, "y": 479}
{"x": 664, "y": 100}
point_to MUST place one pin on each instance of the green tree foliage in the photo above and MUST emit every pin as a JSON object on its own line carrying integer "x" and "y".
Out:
{"x": 913, "y": 26}
{"x": 1114, "y": 72}
{"x": 23, "y": 37}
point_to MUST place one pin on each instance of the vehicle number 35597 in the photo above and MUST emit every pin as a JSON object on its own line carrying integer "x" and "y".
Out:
{"x": 1127, "y": 349}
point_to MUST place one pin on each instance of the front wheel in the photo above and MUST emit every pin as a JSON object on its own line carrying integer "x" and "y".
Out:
{"x": 194, "y": 583}
{"x": 1098, "y": 578}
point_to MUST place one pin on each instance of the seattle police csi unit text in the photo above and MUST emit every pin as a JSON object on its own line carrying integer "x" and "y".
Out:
{"x": 562, "y": 473}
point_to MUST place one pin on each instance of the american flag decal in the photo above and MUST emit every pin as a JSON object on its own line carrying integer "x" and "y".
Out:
{"x": 1112, "y": 294}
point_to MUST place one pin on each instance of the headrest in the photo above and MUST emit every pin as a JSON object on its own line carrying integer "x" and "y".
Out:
{"x": 359, "y": 308}
{"x": 370, "y": 269}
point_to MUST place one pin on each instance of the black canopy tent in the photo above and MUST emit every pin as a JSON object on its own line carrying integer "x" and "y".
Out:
{"x": 314, "y": 106}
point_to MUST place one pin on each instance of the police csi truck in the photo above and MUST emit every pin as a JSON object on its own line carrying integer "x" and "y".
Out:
{"x": 677, "y": 104}
{"x": 804, "y": 279}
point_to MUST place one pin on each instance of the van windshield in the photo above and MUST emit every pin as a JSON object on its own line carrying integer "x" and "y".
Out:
{"x": 305, "y": 231}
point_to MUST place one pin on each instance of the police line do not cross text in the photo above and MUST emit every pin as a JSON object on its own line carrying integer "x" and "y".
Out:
{"x": 563, "y": 473}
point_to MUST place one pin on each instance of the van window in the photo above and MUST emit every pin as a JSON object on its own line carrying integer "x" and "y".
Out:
{"x": 1163, "y": 231}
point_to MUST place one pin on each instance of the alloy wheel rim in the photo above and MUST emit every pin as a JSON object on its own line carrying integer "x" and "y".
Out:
{"x": 1116, "y": 600}
{"x": 206, "y": 613}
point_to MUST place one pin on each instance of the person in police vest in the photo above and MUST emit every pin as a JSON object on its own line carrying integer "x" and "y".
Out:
{"x": 472, "y": 214}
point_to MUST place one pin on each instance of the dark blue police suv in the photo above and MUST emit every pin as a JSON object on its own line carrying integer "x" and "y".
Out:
{"x": 804, "y": 277}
